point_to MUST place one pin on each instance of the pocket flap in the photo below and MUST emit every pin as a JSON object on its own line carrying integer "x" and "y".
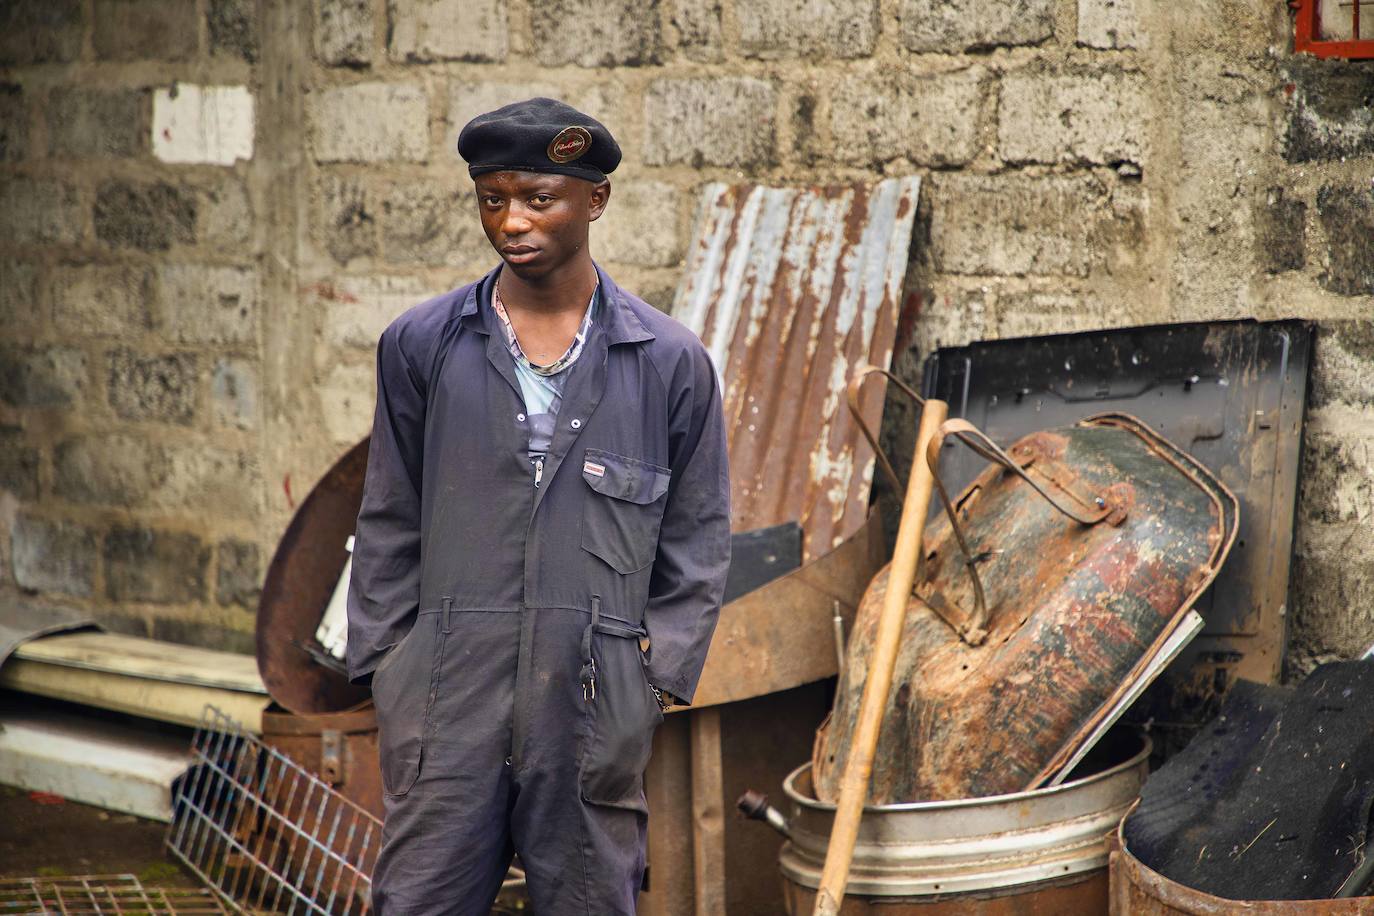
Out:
{"x": 624, "y": 478}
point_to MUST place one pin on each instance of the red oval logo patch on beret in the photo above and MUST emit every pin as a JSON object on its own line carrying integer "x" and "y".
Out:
{"x": 571, "y": 143}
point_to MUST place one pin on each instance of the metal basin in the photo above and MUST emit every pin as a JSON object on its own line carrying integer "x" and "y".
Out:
{"x": 1050, "y": 843}
{"x": 1138, "y": 890}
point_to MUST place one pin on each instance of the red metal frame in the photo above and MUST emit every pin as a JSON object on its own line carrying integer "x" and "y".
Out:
{"x": 1307, "y": 32}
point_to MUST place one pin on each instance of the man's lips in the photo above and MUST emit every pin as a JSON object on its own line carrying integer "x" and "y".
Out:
{"x": 519, "y": 252}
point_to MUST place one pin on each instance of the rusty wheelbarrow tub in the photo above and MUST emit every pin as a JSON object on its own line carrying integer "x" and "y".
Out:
{"x": 1091, "y": 549}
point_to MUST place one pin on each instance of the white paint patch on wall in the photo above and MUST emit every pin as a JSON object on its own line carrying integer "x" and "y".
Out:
{"x": 203, "y": 124}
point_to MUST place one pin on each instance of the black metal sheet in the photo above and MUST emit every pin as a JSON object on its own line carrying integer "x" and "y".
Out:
{"x": 758, "y": 557}
{"x": 1231, "y": 394}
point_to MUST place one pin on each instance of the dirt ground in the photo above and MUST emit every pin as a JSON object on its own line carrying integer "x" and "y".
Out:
{"x": 48, "y": 836}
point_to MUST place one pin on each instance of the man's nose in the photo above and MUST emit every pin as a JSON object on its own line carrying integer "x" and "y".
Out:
{"x": 516, "y": 222}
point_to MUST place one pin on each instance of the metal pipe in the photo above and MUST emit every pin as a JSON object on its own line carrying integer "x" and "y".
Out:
{"x": 754, "y": 805}
{"x": 859, "y": 767}
{"x": 839, "y": 641}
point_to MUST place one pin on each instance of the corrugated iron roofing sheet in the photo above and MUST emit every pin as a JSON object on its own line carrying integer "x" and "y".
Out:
{"x": 791, "y": 290}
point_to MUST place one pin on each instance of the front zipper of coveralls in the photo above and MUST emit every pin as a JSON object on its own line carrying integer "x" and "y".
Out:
{"x": 522, "y": 660}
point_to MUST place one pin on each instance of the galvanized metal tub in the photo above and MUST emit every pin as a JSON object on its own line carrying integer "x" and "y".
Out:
{"x": 1043, "y": 851}
{"x": 1138, "y": 890}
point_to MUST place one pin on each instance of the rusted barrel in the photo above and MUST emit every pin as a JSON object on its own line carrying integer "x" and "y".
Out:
{"x": 1035, "y": 852}
{"x": 339, "y": 747}
{"x": 1138, "y": 890}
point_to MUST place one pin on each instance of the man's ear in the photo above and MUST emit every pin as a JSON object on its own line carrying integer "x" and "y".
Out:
{"x": 600, "y": 196}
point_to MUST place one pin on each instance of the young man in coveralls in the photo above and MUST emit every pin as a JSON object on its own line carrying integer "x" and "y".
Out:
{"x": 547, "y": 495}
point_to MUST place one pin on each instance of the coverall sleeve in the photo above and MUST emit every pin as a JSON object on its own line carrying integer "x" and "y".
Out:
{"x": 384, "y": 592}
{"x": 688, "y": 579}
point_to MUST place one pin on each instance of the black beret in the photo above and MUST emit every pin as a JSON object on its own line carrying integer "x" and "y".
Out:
{"x": 539, "y": 135}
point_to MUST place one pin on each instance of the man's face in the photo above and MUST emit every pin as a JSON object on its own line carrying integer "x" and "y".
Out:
{"x": 538, "y": 222}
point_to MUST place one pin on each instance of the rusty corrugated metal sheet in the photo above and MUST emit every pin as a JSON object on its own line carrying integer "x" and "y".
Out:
{"x": 792, "y": 289}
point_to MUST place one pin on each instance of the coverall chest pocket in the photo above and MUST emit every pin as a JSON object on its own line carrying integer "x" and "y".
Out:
{"x": 623, "y": 512}
{"x": 403, "y": 691}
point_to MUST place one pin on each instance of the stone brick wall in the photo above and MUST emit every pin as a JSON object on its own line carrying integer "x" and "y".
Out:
{"x": 189, "y": 326}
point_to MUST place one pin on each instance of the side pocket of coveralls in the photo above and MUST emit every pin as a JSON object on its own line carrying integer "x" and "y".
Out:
{"x": 403, "y": 689}
{"x": 624, "y": 510}
{"x": 622, "y": 718}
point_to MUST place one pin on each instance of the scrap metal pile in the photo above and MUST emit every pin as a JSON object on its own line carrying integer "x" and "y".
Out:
{"x": 1091, "y": 558}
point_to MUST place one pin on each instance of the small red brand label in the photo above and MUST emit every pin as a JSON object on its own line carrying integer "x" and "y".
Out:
{"x": 571, "y": 143}
{"x": 596, "y": 470}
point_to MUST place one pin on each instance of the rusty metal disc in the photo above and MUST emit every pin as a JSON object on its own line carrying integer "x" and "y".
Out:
{"x": 305, "y": 568}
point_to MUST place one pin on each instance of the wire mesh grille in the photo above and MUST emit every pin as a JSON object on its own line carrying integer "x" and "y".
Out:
{"x": 266, "y": 833}
{"x": 79, "y": 895}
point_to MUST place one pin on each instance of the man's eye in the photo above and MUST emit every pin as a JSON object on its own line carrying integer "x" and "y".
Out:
{"x": 543, "y": 199}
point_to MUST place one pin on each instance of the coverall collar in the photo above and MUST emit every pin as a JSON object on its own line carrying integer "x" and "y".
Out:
{"x": 617, "y": 319}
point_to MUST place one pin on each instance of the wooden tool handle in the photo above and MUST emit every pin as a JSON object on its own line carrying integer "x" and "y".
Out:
{"x": 859, "y": 765}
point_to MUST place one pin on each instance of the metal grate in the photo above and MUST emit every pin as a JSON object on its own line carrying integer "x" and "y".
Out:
{"x": 267, "y": 834}
{"x": 79, "y": 895}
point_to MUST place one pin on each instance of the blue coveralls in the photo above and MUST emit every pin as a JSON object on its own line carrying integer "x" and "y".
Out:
{"x": 499, "y": 622}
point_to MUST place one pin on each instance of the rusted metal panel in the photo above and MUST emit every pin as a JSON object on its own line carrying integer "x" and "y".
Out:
{"x": 791, "y": 289}
{"x": 1077, "y": 613}
{"x": 781, "y": 636}
{"x": 1138, "y": 890}
{"x": 1229, "y": 393}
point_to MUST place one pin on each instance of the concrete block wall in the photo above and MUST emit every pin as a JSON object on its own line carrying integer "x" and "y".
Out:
{"x": 192, "y": 340}
{"x": 131, "y": 307}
